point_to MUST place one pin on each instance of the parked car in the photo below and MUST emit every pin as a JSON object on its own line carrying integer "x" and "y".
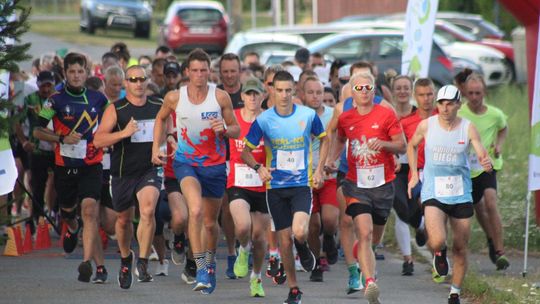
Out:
{"x": 195, "y": 24}
{"x": 132, "y": 15}
{"x": 383, "y": 48}
{"x": 244, "y": 42}
{"x": 473, "y": 23}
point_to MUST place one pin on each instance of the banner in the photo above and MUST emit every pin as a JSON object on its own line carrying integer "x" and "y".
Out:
{"x": 534, "y": 156}
{"x": 8, "y": 171}
{"x": 418, "y": 37}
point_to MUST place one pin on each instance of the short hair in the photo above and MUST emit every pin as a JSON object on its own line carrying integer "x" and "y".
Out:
{"x": 329, "y": 90}
{"x": 336, "y": 64}
{"x": 144, "y": 57}
{"x": 476, "y": 77}
{"x": 312, "y": 78}
{"x": 158, "y": 62}
{"x": 361, "y": 65}
{"x": 136, "y": 66}
{"x": 114, "y": 70}
{"x": 251, "y": 53}
{"x": 35, "y": 63}
{"x": 362, "y": 75}
{"x": 273, "y": 69}
{"x": 163, "y": 49}
{"x": 283, "y": 76}
{"x": 94, "y": 83}
{"x": 74, "y": 58}
{"x": 398, "y": 77}
{"x": 109, "y": 55}
{"x": 317, "y": 55}
{"x": 121, "y": 50}
{"x": 309, "y": 73}
{"x": 423, "y": 82}
{"x": 229, "y": 56}
{"x": 199, "y": 55}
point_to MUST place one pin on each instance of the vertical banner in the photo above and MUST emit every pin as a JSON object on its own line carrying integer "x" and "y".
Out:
{"x": 418, "y": 37}
{"x": 8, "y": 171}
{"x": 534, "y": 155}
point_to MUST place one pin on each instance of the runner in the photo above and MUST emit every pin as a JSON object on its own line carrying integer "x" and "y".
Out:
{"x": 374, "y": 135}
{"x": 247, "y": 193}
{"x": 287, "y": 129}
{"x": 127, "y": 126}
{"x": 492, "y": 127}
{"x": 446, "y": 189}
{"x": 75, "y": 112}
{"x": 204, "y": 117}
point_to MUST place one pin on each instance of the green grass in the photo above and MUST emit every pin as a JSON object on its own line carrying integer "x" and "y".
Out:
{"x": 501, "y": 289}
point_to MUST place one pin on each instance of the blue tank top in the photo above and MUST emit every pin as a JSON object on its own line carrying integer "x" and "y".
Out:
{"x": 447, "y": 176}
{"x": 347, "y": 105}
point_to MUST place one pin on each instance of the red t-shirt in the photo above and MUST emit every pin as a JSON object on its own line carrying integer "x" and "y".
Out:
{"x": 240, "y": 175}
{"x": 369, "y": 168}
{"x": 409, "y": 124}
{"x": 169, "y": 172}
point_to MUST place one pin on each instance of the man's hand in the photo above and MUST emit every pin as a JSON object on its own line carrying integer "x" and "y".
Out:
{"x": 159, "y": 157}
{"x": 318, "y": 180}
{"x": 265, "y": 173}
{"x": 412, "y": 183}
{"x": 376, "y": 144}
{"x": 72, "y": 139}
{"x": 130, "y": 128}
{"x": 485, "y": 161}
{"x": 28, "y": 146}
{"x": 217, "y": 125}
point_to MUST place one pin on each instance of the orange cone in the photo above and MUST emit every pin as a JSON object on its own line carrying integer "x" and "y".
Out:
{"x": 43, "y": 239}
{"x": 27, "y": 246}
{"x": 12, "y": 246}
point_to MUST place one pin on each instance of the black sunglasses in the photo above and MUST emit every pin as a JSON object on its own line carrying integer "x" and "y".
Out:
{"x": 343, "y": 81}
{"x": 136, "y": 79}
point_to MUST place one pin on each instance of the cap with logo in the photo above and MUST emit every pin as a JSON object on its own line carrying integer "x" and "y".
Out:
{"x": 45, "y": 77}
{"x": 449, "y": 92}
{"x": 171, "y": 67}
{"x": 253, "y": 84}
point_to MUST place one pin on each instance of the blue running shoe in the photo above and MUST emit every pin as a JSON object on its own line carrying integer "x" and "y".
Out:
{"x": 211, "y": 279}
{"x": 231, "y": 259}
{"x": 203, "y": 280}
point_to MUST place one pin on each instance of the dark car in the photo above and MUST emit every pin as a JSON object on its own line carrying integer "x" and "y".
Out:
{"x": 384, "y": 49}
{"x": 132, "y": 15}
{"x": 195, "y": 24}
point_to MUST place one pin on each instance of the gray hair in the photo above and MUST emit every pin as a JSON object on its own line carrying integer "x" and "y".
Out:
{"x": 273, "y": 69}
{"x": 114, "y": 70}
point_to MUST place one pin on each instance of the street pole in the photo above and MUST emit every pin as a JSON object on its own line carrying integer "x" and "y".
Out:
{"x": 290, "y": 12}
{"x": 526, "y": 249}
{"x": 253, "y": 14}
{"x": 315, "y": 11}
{"x": 276, "y": 6}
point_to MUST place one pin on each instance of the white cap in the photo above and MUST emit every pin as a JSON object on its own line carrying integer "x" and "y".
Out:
{"x": 295, "y": 72}
{"x": 449, "y": 92}
{"x": 323, "y": 73}
{"x": 344, "y": 71}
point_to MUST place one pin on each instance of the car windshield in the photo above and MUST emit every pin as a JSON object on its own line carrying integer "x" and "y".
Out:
{"x": 458, "y": 30}
{"x": 262, "y": 47}
{"x": 193, "y": 15}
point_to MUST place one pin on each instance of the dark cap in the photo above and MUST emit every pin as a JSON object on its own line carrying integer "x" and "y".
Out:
{"x": 45, "y": 77}
{"x": 171, "y": 67}
{"x": 253, "y": 84}
{"x": 302, "y": 55}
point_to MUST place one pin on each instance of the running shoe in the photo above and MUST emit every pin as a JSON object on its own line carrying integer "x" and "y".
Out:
{"x": 202, "y": 280}
{"x": 420, "y": 237}
{"x": 153, "y": 256}
{"x": 324, "y": 264}
{"x": 407, "y": 269}
{"x": 307, "y": 258}
{"x": 70, "y": 239}
{"x": 211, "y": 269}
{"x": 440, "y": 263}
{"x": 190, "y": 272}
{"x": 453, "y": 299}
{"x": 294, "y": 297}
{"x": 281, "y": 276}
{"x": 379, "y": 256}
{"x": 85, "y": 271}
{"x": 125, "y": 277}
{"x": 354, "y": 284}
{"x": 231, "y": 259}
{"x": 372, "y": 293}
{"x": 316, "y": 274}
{"x": 256, "y": 289}
{"x": 162, "y": 270}
{"x": 501, "y": 261}
{"x": 329, "y": 246}
{"x": 178, "y": 252}
{"x": 436, "y": 277}
{"x": 241, "y": 267}
{"x": 142, "y": 272}
{"x": 492, "y": 252}
{"x": 273, "y": 266}
{"x": 101, "y": 275}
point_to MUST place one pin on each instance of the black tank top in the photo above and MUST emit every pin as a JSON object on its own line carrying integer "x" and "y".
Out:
{"x": 236, "y": 98}
{"x": 132, "y": 155}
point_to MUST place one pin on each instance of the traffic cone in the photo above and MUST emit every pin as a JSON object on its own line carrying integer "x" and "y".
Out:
{"x": 27, "y": 246}
{"x": 13, "y": 247}
{"x": 43, "y": 239}
{"x": 62, "y": 234}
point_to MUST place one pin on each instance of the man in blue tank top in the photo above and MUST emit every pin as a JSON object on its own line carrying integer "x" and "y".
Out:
{"x": 446, "y": 186}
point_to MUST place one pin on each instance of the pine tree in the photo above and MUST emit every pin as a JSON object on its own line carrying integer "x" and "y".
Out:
{"x": 11, "y": 29}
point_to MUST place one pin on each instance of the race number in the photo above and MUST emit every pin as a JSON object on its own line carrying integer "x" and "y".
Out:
{"x": 244, "y": 176}
{"x": 448, "y": 186}
{"x": 74, "y": 151}
{"x": 290, "y": 160}
{"x": 145, "y": 133}
{"x": 370, "y": 177}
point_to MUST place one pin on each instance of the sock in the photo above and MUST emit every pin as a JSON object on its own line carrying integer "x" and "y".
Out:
{"x": 200, "y": 260}
{"x": 180, "y": 238}
{"x": 274, "y": 252}
{"x": 210, "y": 257}
{"x": 369, "y": 280}
{"x": 403, "y": 236}
{"x": 127, "y": 260}
{"x": 143, "y": 260}
{"x": 247, "y": 248}
{"x": 255, "y": 275}
{"x": 353, "y": 269}
{"x": 454, "y": 289}
{"x": 422, "y": 226}
{"x": 102, "y": 267}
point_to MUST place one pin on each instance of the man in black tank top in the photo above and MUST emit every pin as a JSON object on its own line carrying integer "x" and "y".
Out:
{"x": 128, "y": 127}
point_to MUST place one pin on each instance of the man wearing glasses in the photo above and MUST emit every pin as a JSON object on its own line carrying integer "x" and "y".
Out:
{"x": 128, "y": 125}
{"x": 374, "y": 135}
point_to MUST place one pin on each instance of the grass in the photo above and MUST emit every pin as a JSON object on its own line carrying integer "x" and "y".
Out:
{"x": 501, "y": 289}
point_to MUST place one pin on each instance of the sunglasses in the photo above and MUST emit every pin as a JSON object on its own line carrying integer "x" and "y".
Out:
{"x": 343, "y": 81}
{"x": 136, "y": 79}
{"x": 363, "y": 87}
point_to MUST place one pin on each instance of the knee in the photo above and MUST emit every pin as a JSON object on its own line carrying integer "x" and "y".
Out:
{"x": 123, "y": 220}
{"x": 365, "y": 235}
{"x": 209, "y": 224}
{"x": 258, "y": 237}
{"x": 147, "y": 213}
{"x": 195, "y": 214}
{"x": 459, "y": 250}
{"x": 90, "y": 213}
{"x": 299, "y": 230}
{"x": 329, "y": 225}
{"x": 346, "y": 222}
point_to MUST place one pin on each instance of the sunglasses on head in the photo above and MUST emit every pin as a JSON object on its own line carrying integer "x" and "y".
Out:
{"x": 136, "y": 79}
{"x": 363, "y": 87}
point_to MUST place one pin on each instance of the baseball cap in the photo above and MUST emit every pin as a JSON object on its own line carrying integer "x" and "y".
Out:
{"x": 302, "y": 55}
{"x": 253, "y": 84}
{"x": 344, "y": 71}
{"x": 449, "y": 92}
{"x": 295, "y": 71}
{"x": 171, "y": 67}
{"x": 45, "y": 77}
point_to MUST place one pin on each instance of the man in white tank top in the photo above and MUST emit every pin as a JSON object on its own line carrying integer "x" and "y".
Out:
{"x": 204, "y": 118}
{"x": 446, "y": 188}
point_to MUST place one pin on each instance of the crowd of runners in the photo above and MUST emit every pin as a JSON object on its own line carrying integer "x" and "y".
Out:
{"x": 294, "y": 163}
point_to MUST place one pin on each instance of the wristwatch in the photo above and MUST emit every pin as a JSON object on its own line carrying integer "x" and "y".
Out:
{"x": 256, "y": 167}
{"x": 61, "y": 139}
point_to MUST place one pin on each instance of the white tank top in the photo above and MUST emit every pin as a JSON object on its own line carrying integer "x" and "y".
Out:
{"x": 198, "y": 144}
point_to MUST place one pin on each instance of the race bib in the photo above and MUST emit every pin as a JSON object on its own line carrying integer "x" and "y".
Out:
{"x": 74, "y": 151}
{"x": 244, "y": 176}
{"x": 474, "y": 163}
{"x": 145, "y": 133}
{"x": 447, "y": 186}
{"x": 290, "y": 160}
{"x": 370, "y": 177}
{"x": 106, "y": 161}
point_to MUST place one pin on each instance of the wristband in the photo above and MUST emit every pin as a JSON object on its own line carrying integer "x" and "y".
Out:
{"x": 256, "y": 167}
{"x": 61, "y": 139}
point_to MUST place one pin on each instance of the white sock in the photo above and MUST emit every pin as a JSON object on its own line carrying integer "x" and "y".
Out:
{"x": 255, "y": 275}
{"x": 247, "y": 248}
{"x": 403, "y": 236}
{"x": 454, "y": 289}
{"x": 422, "y": 226}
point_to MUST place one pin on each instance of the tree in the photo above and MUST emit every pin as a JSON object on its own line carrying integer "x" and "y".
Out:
{"x": 13, "y": 23}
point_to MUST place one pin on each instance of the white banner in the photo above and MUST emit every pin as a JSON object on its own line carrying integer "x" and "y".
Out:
{"x": 534, "y": 156}
{"x": 418, "y": 37}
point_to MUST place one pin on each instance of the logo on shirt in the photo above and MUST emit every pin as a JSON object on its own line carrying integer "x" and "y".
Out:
{"x": 361, "y": 152}
{"x": 302, "y": 125}
{"x": 68, "y": 113}
{"x": 209, "y": 115}
{"x": 93, "y": 110}
{"x": 375, "y": 126}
